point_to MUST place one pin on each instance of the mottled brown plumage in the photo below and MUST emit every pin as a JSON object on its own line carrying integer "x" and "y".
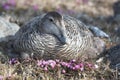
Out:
{"x": 56, "y": 36}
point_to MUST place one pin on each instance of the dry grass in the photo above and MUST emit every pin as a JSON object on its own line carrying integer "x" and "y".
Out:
{"x": 28, "y": 70}
{"x": 98, "y": 10}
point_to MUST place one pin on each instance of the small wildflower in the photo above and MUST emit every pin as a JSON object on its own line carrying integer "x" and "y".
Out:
{"x": 89, "y": 65}
{"x": 39, "y": 62}
{"x": 77, "y": 67}
{"x": 81, "y": 66}
{"x": 35, "y": 7}
{"x": 65, "y": 64}
{"x": 44, "y": 62}
{"x": 46, "y": 68}
{"x": 96, "y": 66}
{"x": 85, "y": 1}
{"x": 6, "y": 6}
{"x": 73, "y": 68}
{"x": 13, "y": 61}
{"x": 70, "y": 66}
{"x": 60, "y": 10}
{"x": 63, "y": 71}
{"x": 12, "y": 2}
{"x": 78, "y": 1}
{"x": 71, "y": 12}
{"x": 57, "y": 60}
{"x": 58, "y": 65}
{"x": 1, "y": 77}
{"x": 72, "y": 61}
{"x": 52, "y": 63}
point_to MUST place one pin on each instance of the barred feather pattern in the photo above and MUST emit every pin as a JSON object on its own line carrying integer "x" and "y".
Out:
{"x": 80, "y": 37}
{"x": 29, "y": 39}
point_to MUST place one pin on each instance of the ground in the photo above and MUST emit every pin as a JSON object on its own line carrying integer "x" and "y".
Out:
{"x": 98, "y": 13}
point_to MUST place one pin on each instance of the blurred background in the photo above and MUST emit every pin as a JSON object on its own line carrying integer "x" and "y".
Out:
{"x": 100, "y": 13}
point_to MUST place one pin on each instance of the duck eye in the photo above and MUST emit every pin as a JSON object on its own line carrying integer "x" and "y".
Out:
{"x": 51, "y": 19}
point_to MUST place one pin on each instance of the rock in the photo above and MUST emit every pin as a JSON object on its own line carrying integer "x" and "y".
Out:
{"x": 116, "y": 16}
{"x": 113, "y": 56}
{"x": 7, "y": 29}
{"x": 116, "y": 8}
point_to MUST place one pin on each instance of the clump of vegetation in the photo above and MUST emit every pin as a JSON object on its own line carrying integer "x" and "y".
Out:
{"x": 55, "y": 70}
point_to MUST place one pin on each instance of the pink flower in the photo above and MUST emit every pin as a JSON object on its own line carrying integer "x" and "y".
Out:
{"x": 63, "y": 71}
{"x": 81, "y": 66}
{"x": 90, "y": 65}
{"x": 57, "y": 60}
{"x": 6, "y": 6}
{"x": 13, "y": 61}
{"x": 70, "y": 66}
{"x": 58, "y": 65}
{"x": 35, "y": 7}
{"x": 44, "y": 62}
{"x": 1, "y": 77}
{"x": 12, "y": 2}
{"x": 52, "y": 63}
{"x": 65, "y": 64}
{"x": 85, "y": 1}
{"x": 72, "y": 61}
{"x": 77, "y": 67}
{"x": 73, "y": 68}
{"x": 46, "y": 68}
{"x": 71, "y": 12}
{"x": 78, "y": 1}
{"x": 60, "y": 10}
{"x": 39, "y": 62}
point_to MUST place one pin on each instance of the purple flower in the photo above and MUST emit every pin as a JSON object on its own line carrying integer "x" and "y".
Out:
{"x": 63, "y": 71}
{"x": 35, "y": 7}
{"x": 1, "y": 77}
{"x": 46, "y": 68}
{"x": 13, "y": 61}
{"x": 73, "y": 68}
{"x": 81, "y": 66}
{"x": 52, "y": 63}
{"x": 72, "y": 61}
{"x": 39, "y": 62}
{"x": 9, "y": 4}
{"x": 65, "y": 64}
{"x": 12, "y": 2}
{"x": 90, "y": 65}
{"x": 85, "y": 1}
{"x": 77, "y": 67}
{"x": 78, "y": 1}
{"x": 71, "y": 12}
{"x": 6, "y": 6}
{"x": 44, "y": 62}
{"x": 59, "y": 10}
{"x": 57, "y": 60}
